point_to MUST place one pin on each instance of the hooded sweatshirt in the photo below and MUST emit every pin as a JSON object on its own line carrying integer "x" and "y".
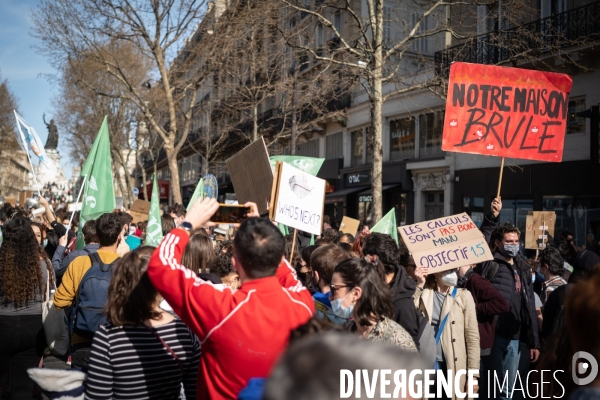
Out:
{"x": 405, "y": 313}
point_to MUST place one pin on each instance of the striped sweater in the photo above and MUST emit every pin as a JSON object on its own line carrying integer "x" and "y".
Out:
{"x": 130, "y": 362}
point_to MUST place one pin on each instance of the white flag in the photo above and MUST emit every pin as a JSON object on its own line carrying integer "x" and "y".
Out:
{"x": 29, "y": 140}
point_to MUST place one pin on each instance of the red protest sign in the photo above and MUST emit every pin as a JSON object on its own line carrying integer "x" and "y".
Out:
{"x": 506, "y": 112}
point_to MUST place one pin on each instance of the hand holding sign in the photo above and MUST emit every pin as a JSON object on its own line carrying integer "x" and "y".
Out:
{"x": 446, "y": 243}
{"x": 496, "y": 206}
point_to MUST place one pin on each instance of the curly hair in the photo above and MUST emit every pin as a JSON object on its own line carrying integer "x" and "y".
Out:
{"x": 131, "y": 295}
{"x": 221, "y": 265}
{"x": 385, "y": 248}
{"x": 20, "y": 274}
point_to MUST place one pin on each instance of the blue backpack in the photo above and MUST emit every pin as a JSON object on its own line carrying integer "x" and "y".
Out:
{"x": 92, "y": 296}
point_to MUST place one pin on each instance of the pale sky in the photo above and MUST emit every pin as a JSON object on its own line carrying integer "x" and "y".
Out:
{"x": 25, "y": 70}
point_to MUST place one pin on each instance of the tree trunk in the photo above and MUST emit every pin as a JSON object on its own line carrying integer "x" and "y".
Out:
{"x": 376, "y": 83}
{"x": 174, "y": 170}
{"x": 294, "y": 129}
{"x": 144, "y": 179}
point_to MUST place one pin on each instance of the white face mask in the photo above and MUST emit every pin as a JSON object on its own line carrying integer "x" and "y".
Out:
{"x": 450, "y": 279}
{"x": 339, "y": 310}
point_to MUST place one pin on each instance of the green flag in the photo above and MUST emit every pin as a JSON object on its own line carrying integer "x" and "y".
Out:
{"x": 312, "y": 240}
{"x": 387, "y": 225}
{"x": 198, "y": 193}
{"x": 310, "y": 165}
{"x": 98, "y": 192}
{"x": 154, "y": 233}
{"x": 283, "y": 229}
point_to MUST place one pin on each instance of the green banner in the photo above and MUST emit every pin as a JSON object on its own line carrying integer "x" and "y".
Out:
{"x": 387, "y": 225}
{"x": 98, "y": 193}
{"x": 310, "y": 165}
{"x": 154, "y": 234}
{"x": 198, "y": 193}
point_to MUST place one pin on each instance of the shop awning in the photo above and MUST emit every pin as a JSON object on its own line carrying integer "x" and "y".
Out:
{"x": 340, "y": 195}
{"x": 383, "y": 188}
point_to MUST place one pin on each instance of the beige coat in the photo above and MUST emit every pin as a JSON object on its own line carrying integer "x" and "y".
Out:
{"x": 460, "y": 338}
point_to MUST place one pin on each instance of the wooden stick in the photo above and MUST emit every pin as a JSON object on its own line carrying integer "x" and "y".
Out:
{"x": 500, "y": 179}
{"x": 293, "y": 245}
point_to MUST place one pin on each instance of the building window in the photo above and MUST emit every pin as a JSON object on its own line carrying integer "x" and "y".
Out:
{"x": 334, "y": 146}
{"x": 430, "y": 134}
{"x": 319, "y": 36}
{"x": 402, "y": 138}
{"x": 420, "y": 45}
{"x": 576, "y": 124}
{"x": 308, "y": 149}
{"x": 357, "y": 147}
{"x": 387, "y": 25}
{"x": 337, "y": 24}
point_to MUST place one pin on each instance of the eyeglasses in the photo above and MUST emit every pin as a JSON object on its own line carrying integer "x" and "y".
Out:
{"x": 336, "y": 287}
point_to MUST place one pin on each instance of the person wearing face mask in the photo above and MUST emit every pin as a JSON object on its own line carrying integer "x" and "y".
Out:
{"x": 451, "y": 312}
{"x": 177, "y": 212}
{"x": 358, "y": 292}
{"x": 516, "y": 330}
{"x": 488, "y": 304}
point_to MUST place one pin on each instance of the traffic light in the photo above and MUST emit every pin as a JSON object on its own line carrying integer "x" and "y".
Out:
{"x": 594, "y": 116}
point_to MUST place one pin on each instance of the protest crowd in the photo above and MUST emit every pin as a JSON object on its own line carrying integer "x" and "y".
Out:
{"x": 215, "y": 314}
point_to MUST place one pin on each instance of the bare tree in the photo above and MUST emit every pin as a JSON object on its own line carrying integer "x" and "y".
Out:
{"x": 81, "y": 109}
{"x": 11, "y": 180}
{"x": 69, "y": 28}
{"x": 389, "y": 46}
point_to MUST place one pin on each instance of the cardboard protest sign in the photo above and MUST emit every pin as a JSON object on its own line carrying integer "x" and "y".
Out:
{"x": 251, "y": 174}
{"x": 11, "y": 200}
{"x": 446, "y": 243}
{"x": 74, "y": 207}
{"x": 349, "y": 225}
{"x": 506, "y": 112}
{"x": 139, "y": 211}
{"x": 539, "y": 229}
{"x": 298, "y": 199}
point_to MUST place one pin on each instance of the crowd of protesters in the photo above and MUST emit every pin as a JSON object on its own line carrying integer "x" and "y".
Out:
{"x": 227, "y": 313}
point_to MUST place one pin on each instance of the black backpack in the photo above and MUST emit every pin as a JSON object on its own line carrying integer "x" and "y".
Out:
{"x": 92, "y": 296}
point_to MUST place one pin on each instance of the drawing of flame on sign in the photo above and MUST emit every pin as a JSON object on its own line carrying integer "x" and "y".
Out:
{"x": 453, "y": 122}
{"x": 490, "y": 147}
{"x": 534, "y": 129}
{"x": 479, "y": 134}
{"x": 299, "y": 185}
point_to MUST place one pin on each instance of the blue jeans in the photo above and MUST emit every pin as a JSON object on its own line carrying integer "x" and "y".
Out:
{"x": 505, "y": 364}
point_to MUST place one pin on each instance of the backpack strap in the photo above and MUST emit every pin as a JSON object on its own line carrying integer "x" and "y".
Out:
{"x": 438, "y": 336}
{"x": 95, "y": 258}
{"x": 491, "y": 272}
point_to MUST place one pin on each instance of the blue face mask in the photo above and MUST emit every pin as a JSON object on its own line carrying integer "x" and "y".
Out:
{"x": 45, "y": 243}
{"x": 533, "y": 278}
{"x": 339, "y": 310}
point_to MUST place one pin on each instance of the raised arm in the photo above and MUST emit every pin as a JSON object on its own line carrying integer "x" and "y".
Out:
{"x": 490, "y": 222}
{"x": 199, "y": 303}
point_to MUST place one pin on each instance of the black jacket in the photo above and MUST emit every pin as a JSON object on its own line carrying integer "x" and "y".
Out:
{"x": 504, "y": 281}
{"x": 405, "y": 312}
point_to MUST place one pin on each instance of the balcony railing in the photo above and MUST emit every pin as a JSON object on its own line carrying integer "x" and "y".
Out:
{"x": 571, "y": 28}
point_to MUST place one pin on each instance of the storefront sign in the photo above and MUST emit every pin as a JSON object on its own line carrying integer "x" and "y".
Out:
{"x": 297, "y": 199}
{"x": 506, "y": 112}
{"x": 446, "y": 243}
{"x": 539, "y": 228}
{"x": 358, "y": 178}
{"x": 163, "y": 189}
{"x": 365, "y": 199}
{"x": 251, "y": 174}
{"x": 329, "y": 188}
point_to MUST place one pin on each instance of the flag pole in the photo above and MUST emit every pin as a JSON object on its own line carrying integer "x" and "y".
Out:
{"x": 500, "y": 179}
{"x": 78, "y": 197}
{"x": 293, "y": 245}
{"x": 26, "y": 148}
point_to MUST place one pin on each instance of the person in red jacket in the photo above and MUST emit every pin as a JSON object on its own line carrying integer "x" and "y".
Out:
{"x": 242, "y": 332}
{"x": 489, "y": 302}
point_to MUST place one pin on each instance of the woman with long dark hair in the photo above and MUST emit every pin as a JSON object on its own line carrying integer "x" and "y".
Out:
{"x": 143, "y": 352}
{"x": 359, "y": 291}
{"x": 24, "y": 272}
